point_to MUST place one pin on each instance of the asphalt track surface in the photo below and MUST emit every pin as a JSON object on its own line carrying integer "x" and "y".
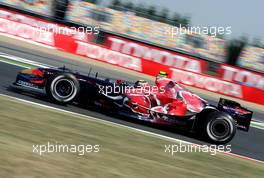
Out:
{"x": 248, "y": 144}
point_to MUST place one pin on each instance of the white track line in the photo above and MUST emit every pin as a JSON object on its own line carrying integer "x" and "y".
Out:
{"x": 124, "y": 126}
{"x": 15, "y": 64}
{"x": 257, "y": 121}
{"x": 23, "y": 60}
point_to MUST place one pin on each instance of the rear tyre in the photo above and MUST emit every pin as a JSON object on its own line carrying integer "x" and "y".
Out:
{"x": 219, "y": 127}
{"x": 63, "y": 88}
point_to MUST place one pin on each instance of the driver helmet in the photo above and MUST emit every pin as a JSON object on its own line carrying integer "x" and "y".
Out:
{"x": 162, "y": 74}
{"x": 162, "y": 79}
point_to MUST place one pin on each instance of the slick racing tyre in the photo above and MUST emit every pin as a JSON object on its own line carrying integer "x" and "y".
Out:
{"x": 63, "y": 88}
{"x": 219, "y": 127}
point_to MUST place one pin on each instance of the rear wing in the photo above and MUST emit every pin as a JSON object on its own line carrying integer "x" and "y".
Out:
{"x": 241, "y": 115}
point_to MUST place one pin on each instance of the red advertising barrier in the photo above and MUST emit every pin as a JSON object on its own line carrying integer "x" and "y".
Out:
{"x": 26, "y": 31}
{"x": 157, "y": 55}
{"x": 218, "y": 86}
{"x": 103, "y": 54}
{"x": 231, "y": 81}
{"x": 242, "y": 76}
{"x": 37, "y": 30}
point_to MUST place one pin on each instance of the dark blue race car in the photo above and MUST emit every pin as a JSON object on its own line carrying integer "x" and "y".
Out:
{"x": 216, "y": 123}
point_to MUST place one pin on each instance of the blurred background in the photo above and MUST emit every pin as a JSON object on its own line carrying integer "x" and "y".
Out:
{"x": 148, "y": 23}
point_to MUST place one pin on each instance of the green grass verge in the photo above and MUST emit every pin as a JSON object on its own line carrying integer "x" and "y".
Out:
{"x": 123, "y": 152}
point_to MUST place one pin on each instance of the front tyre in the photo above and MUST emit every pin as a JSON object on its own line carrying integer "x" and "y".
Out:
{"x": 63, "y": 88}
{"x": 219, "y": 127}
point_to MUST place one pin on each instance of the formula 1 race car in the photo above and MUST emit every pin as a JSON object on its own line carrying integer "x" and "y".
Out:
{"x": 165, "y": 103}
